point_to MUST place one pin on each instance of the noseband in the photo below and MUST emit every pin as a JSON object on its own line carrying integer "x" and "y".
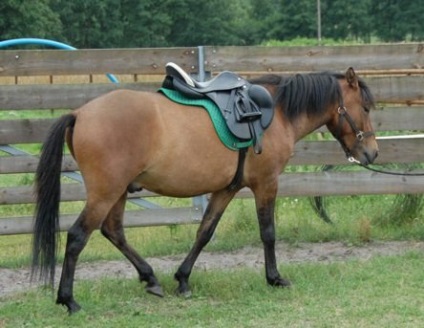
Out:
{"x": 360, "y": 135}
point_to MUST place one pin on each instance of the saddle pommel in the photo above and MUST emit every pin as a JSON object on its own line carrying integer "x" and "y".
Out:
{"x": 174, "y": 70}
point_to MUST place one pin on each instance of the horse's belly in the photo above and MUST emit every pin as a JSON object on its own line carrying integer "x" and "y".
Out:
{"x": 189, "y": 175}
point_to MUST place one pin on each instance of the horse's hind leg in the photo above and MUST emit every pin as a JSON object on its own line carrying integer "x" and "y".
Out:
{"x": 213, "y": 213}
{"x": 113, "y": 230}
{"x": 78, "y": 235}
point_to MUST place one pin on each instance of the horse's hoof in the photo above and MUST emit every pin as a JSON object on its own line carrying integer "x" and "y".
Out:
{"x": 184, "y": 294}
{"x": 155, "y": 290}
{"x": 281, "y": 282}
{"x": 73, "y": 309}
{"x": 72, "y": 306}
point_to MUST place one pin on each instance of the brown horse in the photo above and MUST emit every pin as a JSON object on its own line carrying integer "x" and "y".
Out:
{"x": 128, "y": 138}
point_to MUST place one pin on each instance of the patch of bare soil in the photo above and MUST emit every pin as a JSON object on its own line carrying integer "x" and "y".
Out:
{"x": 17, "y": 280}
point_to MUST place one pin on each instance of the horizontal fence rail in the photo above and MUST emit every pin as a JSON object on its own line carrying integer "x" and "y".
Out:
{"x": 395, "y": 74}
{"x": 397, "y": 150}
{"x": 389, "y": 119}
{"x": 386, "y": 89}
{"x": 380, "y": 58}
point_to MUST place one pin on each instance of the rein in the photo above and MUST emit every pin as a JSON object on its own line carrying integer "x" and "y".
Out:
{"x": 353, "y": 160}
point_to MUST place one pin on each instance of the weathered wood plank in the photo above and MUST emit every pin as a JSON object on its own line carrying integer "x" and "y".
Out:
{"x": 330, "y": 152}
{"x": 69, "y": 192}
{"x": 24, "y": 130}
{"x": 290, "y": 184}
{"x": 316, "y": 58}
{"x": 344, "y": 183}
{"x": 385, "y": 118}
{"x": 144, "y": 218}
{"x": 397, "y": 150}
{"x": 28, "y": 164}
{"x": 59, "y": 96}
{"x": 95, "y": 61}
{"x": 397, "y": 89}
{"x": 389, "y": 119}
{"x": 264, "y": 59}
{"x": 386, "y": 89}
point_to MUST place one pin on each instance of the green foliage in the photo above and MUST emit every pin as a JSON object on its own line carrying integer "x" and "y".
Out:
{"x": 28, "y": 19}
{"x": 297, "y": 19}
{"x": 348, "y": 19}
{"x": 397, "y": 20}
{"x": 166, "y": 23}
{"x": 214, "y": 22}
{"x": 88, "y": 24}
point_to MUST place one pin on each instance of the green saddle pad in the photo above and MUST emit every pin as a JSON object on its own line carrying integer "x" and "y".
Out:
{"x": 224, "y": 134}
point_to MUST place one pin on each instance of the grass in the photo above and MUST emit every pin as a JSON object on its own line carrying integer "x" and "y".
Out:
{"x": 381, "y": 292}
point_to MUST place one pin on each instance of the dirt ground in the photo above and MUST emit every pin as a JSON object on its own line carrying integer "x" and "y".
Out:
{"x": 17, "y": 280}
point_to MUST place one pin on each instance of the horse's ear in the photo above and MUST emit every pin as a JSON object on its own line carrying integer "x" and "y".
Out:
{"x": 352, "y": 78}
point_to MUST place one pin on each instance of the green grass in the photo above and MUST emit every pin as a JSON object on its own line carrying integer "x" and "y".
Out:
{"x": 381, "y": 292}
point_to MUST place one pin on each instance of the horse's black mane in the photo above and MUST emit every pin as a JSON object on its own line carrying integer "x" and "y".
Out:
{"x": 311, "y": 93}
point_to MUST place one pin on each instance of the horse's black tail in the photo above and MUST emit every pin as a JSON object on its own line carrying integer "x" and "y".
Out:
{"x": 47, "y": 190}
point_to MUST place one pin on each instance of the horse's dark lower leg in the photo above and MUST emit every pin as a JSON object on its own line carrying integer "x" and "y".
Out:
{"x": 78, "y": 236}
{"x": 112, "y": 229}
{"x": 267, "y": 230}
{"x": 213, "y": 213}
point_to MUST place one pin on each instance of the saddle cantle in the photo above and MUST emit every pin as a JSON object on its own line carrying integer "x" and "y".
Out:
{"x": 247, "y": 108}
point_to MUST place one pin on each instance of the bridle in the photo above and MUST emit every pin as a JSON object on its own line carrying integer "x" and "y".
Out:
{"x": 360, "y": 135}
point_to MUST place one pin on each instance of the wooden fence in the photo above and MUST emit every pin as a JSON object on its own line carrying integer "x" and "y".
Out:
{"x": 395, "y": 74}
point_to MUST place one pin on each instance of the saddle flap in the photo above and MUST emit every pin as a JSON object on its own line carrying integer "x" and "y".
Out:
{"x": 261, "y": 96}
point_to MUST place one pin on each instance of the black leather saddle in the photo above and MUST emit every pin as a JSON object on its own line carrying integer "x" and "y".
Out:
{"x": 247, "y": 108}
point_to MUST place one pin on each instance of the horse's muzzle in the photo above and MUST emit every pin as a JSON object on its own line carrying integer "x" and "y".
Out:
{"x": 368, "y": 156}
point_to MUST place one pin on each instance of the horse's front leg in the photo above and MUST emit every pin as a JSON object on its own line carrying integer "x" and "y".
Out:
{"x": 265, "y": 207}
{"x": 216, "y": 206}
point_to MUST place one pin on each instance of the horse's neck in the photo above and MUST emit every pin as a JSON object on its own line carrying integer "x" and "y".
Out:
{"x": 304, "y": 125}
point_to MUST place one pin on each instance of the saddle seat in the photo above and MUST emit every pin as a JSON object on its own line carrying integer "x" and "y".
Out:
{"x": 247, "y": 108}
{"x": 223, "y": 81}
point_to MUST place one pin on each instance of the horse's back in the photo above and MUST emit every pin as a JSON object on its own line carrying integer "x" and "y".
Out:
{"x": 127, "y": 136}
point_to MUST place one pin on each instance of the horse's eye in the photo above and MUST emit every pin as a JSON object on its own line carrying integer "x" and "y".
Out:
{"x": 366, "y": 109}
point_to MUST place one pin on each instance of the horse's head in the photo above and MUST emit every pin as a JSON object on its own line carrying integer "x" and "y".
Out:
{"x": 350, "y": 123}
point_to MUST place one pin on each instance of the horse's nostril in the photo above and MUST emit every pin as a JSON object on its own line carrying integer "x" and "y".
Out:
{"x": 371, "y": 156}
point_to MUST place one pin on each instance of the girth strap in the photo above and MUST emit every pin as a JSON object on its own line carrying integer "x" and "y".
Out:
{"x": 238, "y": 177}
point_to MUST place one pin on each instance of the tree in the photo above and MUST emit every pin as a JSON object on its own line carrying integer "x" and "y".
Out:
{"x": 213, "y": 22}
{"x": 262, "y": 23}
{"x": 296, "y": 19}
{"x": 23, "y": 19}
{"x": 146, "y": 23}
{"x": 90, "y": 24}
{"x": 343, "y": 19}
{"x": 396, "y": 20}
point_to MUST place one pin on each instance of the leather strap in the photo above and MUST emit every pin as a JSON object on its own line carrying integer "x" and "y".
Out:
{"x": 238, "y": 177}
